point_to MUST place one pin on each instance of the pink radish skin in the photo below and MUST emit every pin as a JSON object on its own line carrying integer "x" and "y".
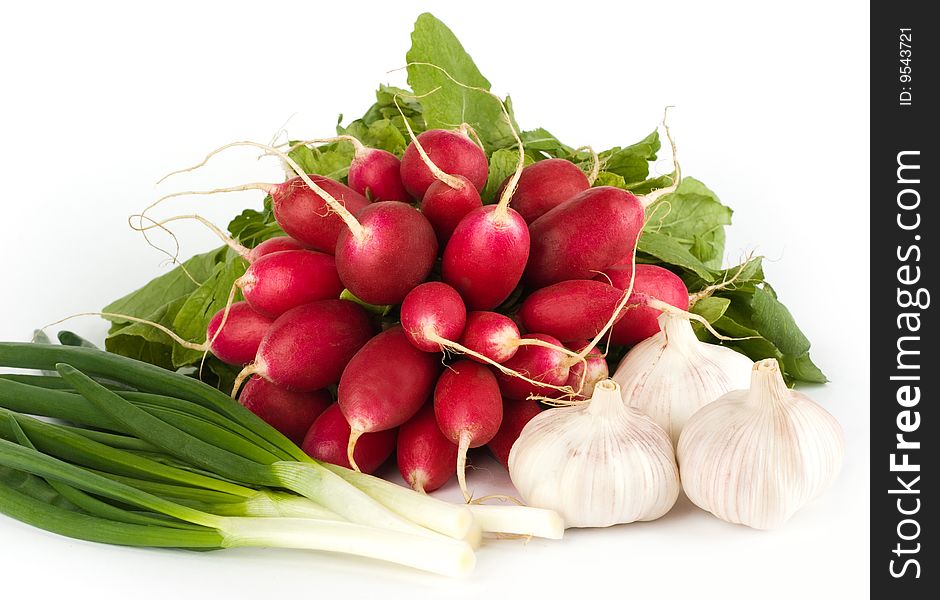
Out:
{"x": 292, "y": 413}
{"x": 535, "y": 362}
{"x": 432, "y": 312}
{"x": 515, "y": 417}
{"x": 486, "y": 256}
{"x": 468, "y": 409}
{"x": 544, "y": 185}
{"x": 586, "y": 234}
{"x": 237, "y": 343}
{"x": 272, "y": 245}
{"x": 326, "y": 441}
{"x": 491, "y": 334}
{"x": 593, "y": 369}
{"x": 426, "y": 458}
{"x": 453, "y": 152}
{"x": 385, "y": 384}
{"x": 278, "y": 282}
{"x": 571, "y": 310}
{"x": 308, "y": 347}
{"x": 651, "y": 281}
{"x": 376, "y": 174}
{"x": 396, "y": 252}
{"x": 445, "y": 206}
{"x": 305, "y": 216}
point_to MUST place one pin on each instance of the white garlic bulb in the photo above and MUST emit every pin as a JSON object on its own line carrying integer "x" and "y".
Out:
{"x": 597, "y": 463}
{"x": 756, "y": 456}
{"x": 672, "y": 374}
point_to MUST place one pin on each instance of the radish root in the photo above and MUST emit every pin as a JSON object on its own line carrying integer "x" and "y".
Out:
{"x": 244, "y": 374}
{"x": 467, "y": 130}
{"x": 595, "y": 163}
{"x": 460, "y": 349}
{"x": 355, "y": 227}
{"x": 231, "y": 243}
{"x": 354, "y": 435}
{"x": 184, "y": 343}
{"x": 357, "y": 145}
{"x": 449, "y": 180}
{"x": 463, "y": 446}
{"x": 677, "y": 172}
{"x": 724, "y": 284}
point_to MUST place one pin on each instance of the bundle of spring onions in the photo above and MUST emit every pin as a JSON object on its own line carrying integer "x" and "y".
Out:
{"x": 149, "y": 457}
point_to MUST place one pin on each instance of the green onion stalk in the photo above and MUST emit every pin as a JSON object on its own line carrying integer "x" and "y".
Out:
{"x": 435, "y": 554}
{"x": 187, "y": 443}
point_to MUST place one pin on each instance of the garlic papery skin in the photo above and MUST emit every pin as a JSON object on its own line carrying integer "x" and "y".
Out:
{"x": 672, "y": 374}
{"x": 597, "y": 463}
{"x": 757, "y": 456}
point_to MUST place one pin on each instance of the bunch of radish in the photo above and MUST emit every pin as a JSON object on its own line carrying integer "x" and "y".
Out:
{"x": 459, "y": 367}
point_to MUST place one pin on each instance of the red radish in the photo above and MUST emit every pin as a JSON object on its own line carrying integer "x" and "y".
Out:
{"x": 376, "y": 173}
{"x": 280, "y": 281}
{"x": 486, "y": 256}
{"x": 571, "y": 310}
{"x": 586, "y": 234}
{"x": 445, "y": 206}
{"x": 393, "y": 251}
{"x": 546, "y": 184}
{"x": 452, "y": 151}
{"x": 426, "y": 458}
{"x": 290, "y": 412}
{"x": 233, "y": 335}
{"x": 515, "y": 417}
{"x": 539, "y": 363}
{"x": 327, "y": 438}
{"x": 491, "y": 334}
{"x": 432, "y": 315}
{"x": 308, "y": 347}
{"x": 468, "y": 409}
{"x": 384, "y": 385}
{"x": 584, "y": 376}
{"x": 237, "y": 342}
{"x": 305, "y": 216}
{"x": 272, "y": 245}
{"x": 650, "y": 281}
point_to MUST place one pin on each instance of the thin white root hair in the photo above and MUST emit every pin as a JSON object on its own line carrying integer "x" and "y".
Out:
{"x": 184, "y": 343}
{"x": 244, "y": 374}
{"x": 173, "y": 257}
{"x": 669, "y": 308}
{"x": 357, "y": 145}
{"x": 202, "y": 163}
{"x": 470, "y": 132}
{"x": 354, "y": 226}
{"x": 265, "y": 187}
{"x": 728, "y": 282}
{"x": 354, "y": 435}
{"x": 231, "y": 243}
{"x": 456, "y": 348}
{"x": 463, "y": 446}
{"x": 595, "y": 163}
{"x": 449, "y": 180}
{"x": 510, "y": 189}
{"x": 677, "y": 171}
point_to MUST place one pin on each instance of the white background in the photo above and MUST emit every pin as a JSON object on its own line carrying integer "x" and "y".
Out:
{"x": 100, "y": 100}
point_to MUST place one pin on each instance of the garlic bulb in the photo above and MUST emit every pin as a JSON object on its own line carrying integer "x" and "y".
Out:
{"x": 597, "y": 463}
{"x": 672, "y": 374}
{"x": 756, "y": 456}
